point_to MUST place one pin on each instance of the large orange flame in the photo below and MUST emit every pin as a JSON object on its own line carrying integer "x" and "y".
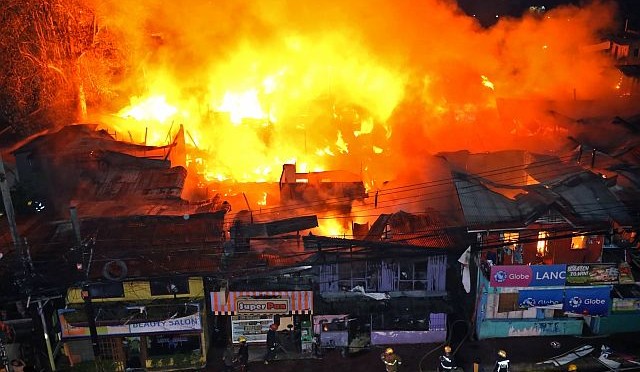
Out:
{"x": 368, "y": 86}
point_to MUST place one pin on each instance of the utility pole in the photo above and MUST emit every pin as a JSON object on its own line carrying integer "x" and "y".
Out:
{"x": 91, "y": 319}
{"x": 4, "y": 359}
{"x": 45, "y": 330}
{"x": 8, "y": 205}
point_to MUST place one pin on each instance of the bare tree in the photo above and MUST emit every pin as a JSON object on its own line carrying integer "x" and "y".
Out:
{"x": 55, "y": 58}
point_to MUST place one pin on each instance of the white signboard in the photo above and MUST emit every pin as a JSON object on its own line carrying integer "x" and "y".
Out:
{"x": 187, "y": 323}
{"x": 255, "y": 330}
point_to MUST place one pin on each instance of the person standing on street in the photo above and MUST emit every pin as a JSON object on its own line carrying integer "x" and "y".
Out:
{"x": 391, "y": 360}
{"x": 272, "y": 343}
{"x": 446, "y": 361}
{"x": 228, "y": 357}
{"x": 243, "y": 354}
{"x": 502, "y": 363}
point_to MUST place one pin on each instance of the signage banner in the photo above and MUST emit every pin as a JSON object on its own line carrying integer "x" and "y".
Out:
{"x": 624, "y": 271}
{"x": 528, "y": 275}
{"x": 299, "y": 302}
{"x": 262, "y": 306}
{"x": 587, "y": 301}
{"x": 626, "y": 305}
{"x": 187, "y": 323}
{"x": 540, "y": 298}
{"x": 592, "y": 274}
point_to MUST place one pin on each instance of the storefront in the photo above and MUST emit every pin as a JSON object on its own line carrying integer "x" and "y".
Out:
{"x": 157, "y": 325}
{"x": 177, "y": 342}
{"x": 250, "y": 313}
{"x": 544, "y": 300}
{"x": 625, "y": 307}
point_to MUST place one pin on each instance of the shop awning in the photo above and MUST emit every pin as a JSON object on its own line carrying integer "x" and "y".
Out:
{"x": 300, "y": 302}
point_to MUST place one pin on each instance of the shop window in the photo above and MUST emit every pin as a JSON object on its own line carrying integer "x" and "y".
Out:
{"x": 173, "y": 351}
{"x": 106, "y": 290}
{"x": 169, "y": 344}
{"x": 173, "y": 286}
{"x": 542, "y": 248}
{"x": 508, "y": 302}
{"x": 579, "y": 242}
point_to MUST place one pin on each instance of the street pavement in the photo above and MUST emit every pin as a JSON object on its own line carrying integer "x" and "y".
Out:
{"x": 524, "y": 353}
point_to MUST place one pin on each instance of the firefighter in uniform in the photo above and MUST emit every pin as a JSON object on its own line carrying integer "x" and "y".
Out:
{"x": 243, "y": 354}
{"x": 446, "y": 361}
{"x": 502, "y": 364}
{"x": 391, "y": 360}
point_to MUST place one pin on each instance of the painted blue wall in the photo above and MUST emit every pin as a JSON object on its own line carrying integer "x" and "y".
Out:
{"x": 529, "y": 327}
{"x": 616, "y": 323}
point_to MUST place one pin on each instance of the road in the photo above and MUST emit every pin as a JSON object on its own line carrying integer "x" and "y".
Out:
{"x": 524, "y": 352}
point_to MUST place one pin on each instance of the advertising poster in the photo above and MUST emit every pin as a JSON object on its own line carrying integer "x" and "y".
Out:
{"x": 587, "y": 301}
{"x": 187, "y": 323}
{"x": 549, "y": 298}
{"x": 527, "y": 276}
{"x": 592, "y": 274}
{"x": 626, "y": 305}
{"x": 255, "y": 330}
{"x": 626, "y": 276}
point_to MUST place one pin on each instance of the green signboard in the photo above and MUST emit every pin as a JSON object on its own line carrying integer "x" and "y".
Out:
{"x": 592, "y": 274}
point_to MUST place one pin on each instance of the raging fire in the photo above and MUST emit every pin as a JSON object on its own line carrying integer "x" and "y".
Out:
{"x": 366, "y": 87}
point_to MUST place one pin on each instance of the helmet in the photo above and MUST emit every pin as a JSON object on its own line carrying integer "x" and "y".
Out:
{"x": 572, "y": 368}
{"x": 388, "y": 351}
{"x": 502, "y": 353}
{"x": 447, "y": 349}
{"x": 242, "y": 339}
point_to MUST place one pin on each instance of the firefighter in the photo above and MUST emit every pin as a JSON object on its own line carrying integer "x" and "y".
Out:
{"x": 391, "y": 360}
{"x": 572, "y": 368}
{"x": 446, "y": 361}
{"x": 502, "y": 363}
{"x": 243, "y": 354}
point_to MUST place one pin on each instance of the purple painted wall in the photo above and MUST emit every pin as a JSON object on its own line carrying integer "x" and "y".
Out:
{"x": 407, "y": 337}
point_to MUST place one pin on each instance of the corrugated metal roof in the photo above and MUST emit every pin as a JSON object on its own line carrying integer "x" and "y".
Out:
{"x": 591, "y": 199}
{"x": 482, "y": 207}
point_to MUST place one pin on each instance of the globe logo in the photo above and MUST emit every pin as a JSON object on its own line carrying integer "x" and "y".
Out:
{"x": 575, "y": 301}
{"x": 500, "y": 276}
{"x": 529, "y": 302}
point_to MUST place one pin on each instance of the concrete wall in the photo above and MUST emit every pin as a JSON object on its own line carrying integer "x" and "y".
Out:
{"x": 529, "y": 327}
{"x": 616, "y": 323}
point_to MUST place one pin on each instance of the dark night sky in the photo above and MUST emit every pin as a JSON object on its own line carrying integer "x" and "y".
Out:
{"x": 486, "y": 10}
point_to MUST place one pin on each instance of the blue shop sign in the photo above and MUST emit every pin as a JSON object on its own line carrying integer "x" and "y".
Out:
{"x": 587, "y": 301}
{"x": 548, "y": 275}
{"x": 540, "y": 297}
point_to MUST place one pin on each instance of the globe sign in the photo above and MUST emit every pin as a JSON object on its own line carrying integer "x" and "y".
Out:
{"x": 500, "y": 276}
{"x": 575, "y": 301}
{"x": 529, "y": 302}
